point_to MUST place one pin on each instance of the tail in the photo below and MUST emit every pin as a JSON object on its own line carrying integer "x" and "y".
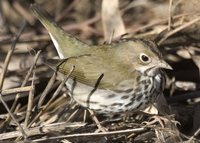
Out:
{"x": 66, "y": 44}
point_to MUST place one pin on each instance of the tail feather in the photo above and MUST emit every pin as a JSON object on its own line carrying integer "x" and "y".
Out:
{"x": 66, "y": 44}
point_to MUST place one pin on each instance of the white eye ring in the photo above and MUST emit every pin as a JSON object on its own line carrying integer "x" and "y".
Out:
{"x": 144, "y": 58}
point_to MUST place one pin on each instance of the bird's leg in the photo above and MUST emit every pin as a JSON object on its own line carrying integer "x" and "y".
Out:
{"x": 100, "y": 127}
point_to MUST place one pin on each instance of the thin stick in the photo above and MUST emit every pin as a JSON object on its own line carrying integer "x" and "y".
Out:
{"x": 42, "y": 129}
{"x": 7, "y": 108}
{"x": 53, "y": 97}
{"x": 66, "y": 11}
{"x": 56, "y": 102}
{"x": 195, "y": 134}
{"x": 156, "y": 23}
{"x": 93, "y": 134}
{"x": 183, "y": 97}
{"x": 26, "y": 79}
{"x": 4, "y": 124}
{"x": 71, "y": 117}
{"x": 24, "y": 12}
{"x": 111, "y": 37}
{"x": 177, "y": 29}
{"x": 5, "y": 67}
{"x": 11, "y": 50}
{"x": 46, "y": 91}
{"x": 31, "y": 93}
{"x": 35, "y": 100}
{"x": 3, "y": 22}
{"x": 16, "y": 90}
{"x": 100, "y": 128}
{"x": 170, "y": 15}
{"x": 17, "y": 108}
{"x": 194, "y": 48}
{"x": 31, "y": 36}
{"x": 161, "y": 21}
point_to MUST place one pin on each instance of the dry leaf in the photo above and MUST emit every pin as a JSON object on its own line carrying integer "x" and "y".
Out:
{"x": 111, "y": 19}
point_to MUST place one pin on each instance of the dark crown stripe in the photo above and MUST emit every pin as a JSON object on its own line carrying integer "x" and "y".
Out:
{"x": 153, "y": 46}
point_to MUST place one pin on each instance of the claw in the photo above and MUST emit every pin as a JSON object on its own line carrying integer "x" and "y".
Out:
{"x": 162, "y": 120}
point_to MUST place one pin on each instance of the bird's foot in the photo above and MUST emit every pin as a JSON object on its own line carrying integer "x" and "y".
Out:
{"x": 163, "y": 121}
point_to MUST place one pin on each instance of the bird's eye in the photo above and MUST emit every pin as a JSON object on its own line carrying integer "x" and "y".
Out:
{"x": 144, "y": 58}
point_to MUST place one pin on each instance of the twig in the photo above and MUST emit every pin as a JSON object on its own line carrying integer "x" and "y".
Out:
{"x": 194, "y": 48}
{"x": 7, "y": 108}
{"x": 170, "y": 15}
{"x": 111, "y": 37}
{"x": 74, "y": 115}
{"x": 53, "y": 97}
{"x": 17, "y": 108}
{"x": 3, "y": 26}
{"x": 65, "y": 12}
{"x": 24, "y": 12}
{"x": 158, "y": 22}
{"x": 25, "y": 80}
{"x": 31, "y": 93}
{"x": 9, "y": 54}
{"x": 82, "y": 24}
{"x": 45, "y": 92}
{"x": 6, "y": 122}
{"x": 57, "y": 101}
{"x": 16, "y": 90}
{"x": 183, "y": 97}
{"x": 41, "y": 130}
{"x": 162, "y": 21}
{"x": 186, "y": 85}
{"x": 195, "y": 134}
{"x": 4, "y": 70}
{"x": 100, "y": 128}
{"x": 177, "y": 29}
{"x": 93, "y": 134}
{"x": 93, "y": 30}
{"x": 35, "y": 100}
{"x": 31, "y": 36}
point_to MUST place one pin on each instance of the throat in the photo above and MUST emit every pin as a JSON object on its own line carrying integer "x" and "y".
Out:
{"x": 152, "y": 71}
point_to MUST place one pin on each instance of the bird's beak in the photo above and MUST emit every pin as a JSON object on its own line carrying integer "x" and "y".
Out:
{"x": 164, "y": 65}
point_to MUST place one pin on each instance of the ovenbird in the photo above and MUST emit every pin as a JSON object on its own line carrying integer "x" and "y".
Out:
{"x": 112, "y": 78}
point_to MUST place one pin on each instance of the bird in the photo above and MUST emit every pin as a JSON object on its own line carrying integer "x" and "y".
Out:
{"x": 122, "y": 76}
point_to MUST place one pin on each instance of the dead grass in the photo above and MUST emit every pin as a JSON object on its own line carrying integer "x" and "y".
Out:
{"x": 34, "y": 107}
